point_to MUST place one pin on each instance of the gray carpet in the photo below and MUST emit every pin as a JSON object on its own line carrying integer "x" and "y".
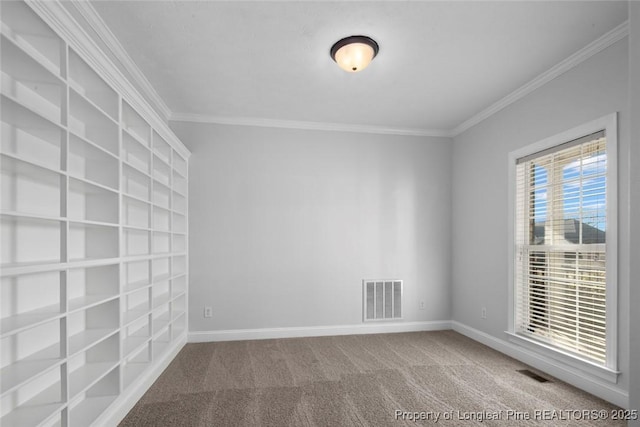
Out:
{"x": 358, "y": 380}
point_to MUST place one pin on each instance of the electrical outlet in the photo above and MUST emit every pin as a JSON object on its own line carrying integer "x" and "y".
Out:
{"x": 421, "y": 305}
{"x": 483, "y": 312}
{"x": 208, "y": 312}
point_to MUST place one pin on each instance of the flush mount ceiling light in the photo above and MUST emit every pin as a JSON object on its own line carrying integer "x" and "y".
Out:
{"x": 354, "y": 53}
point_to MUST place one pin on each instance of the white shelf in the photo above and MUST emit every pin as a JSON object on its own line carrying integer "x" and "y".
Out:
{"x": 179, "y": 264}
{"x": 137, "y": 361}
{"x": 23, "y": 268}
{"x": 179, "y": 184}
{"x": 37, "y": 409}
{"x": 161, "y": 269}
{"x": 161, "y": 171}
{"x": 88, "y": 122}
{"x": 92, "y": 163}
{"x": 136, "y": 275}
{"x": 136, "y": 313}
{"x": 161, "y": 219}
{"x": 135, "y": 213}
{"x": 28, "y": 300}
{"x": 84, "y": 377}
{"x": 179, "y": 313}
{"x": 132, "y": 371}
{"x": 87, "y": 338}
{"x": 88, "y": 367}
{"x": 90, "y": 239}
{"x": 161, "y": 242}
{"x": 161, "y": 299}
{"x": 135, "y": 125}
{"x": 136, "y": 242}
{"x": 142, "y": 257}
{"x": 26, "y": 241}
{"x": 88, "y": 301}
{"x": 89, "y": 242}
{"x": 91, "y": 282}
{"x": 178, "y": 285}
{"x": 89, "y": 202}
{"x": 161, "y": 341}
{"x": 135, "y": 153}
{"x": 161, "y": 148}
{"x": 161, "y": 318}
{"x": 19, "y": 322}
{"x": 179, "y": 223}
{"x": 133, "y": 343}
{"x": 137, "y": 305}
{"x": 135, "y": 183}
{"x": 18, "y": 373}
{"x": 178, "y": 323}
{"x": 39, "y": 188}
{"x": 136, "y": 286}
{"x": 23, "y": 78}
{"x": 179, "y": 165}
{"x": 32, "y": 34}
{"x": 18, "y": 61}
{"x": 134, "y": 136}
{"x": 161, "y": 195}
{"x": 90, "y": 408}
{"x": 179, "y": 203}
{"x": 179, "y": 243}
{"x": 31, "y": 414}
{"x": 87, "y": 82}
{"x": 28, "y": 137}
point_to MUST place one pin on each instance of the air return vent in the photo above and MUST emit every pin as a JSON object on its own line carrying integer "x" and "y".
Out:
{"x": 382, "y": 299}
{"x": 533, "y": 375}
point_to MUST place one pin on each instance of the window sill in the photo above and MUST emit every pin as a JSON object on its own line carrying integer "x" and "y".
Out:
{"x": 566, "y": 358}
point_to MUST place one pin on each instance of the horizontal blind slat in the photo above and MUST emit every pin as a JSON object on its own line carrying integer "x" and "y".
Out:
{"x": 560, "y": 245}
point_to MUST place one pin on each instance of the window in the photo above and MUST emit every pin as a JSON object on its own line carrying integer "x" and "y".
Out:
{"x": 564, "y": 236}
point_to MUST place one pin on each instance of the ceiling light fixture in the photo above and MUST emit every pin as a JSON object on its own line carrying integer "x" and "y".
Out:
{"x": 354, "y": 53}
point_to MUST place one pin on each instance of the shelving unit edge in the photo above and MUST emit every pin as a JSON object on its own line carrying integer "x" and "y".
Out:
{"x": 94, "y": 279}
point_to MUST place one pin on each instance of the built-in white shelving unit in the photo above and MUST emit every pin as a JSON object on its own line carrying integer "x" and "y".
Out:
{"x": 93, "y": 272}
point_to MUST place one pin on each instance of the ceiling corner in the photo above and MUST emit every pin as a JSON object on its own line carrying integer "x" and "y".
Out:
{"x": 598, "y": 45}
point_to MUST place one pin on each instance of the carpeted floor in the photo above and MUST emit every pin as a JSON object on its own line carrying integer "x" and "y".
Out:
{"x": 357, "y": 380}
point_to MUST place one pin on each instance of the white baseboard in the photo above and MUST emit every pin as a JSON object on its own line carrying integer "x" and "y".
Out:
{"x": 127, "y": 400}
{"x": 317, "y": 331}
{"x": 552, "y": 367}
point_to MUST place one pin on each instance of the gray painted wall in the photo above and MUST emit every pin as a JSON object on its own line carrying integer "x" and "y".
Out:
{"x": 593, "y": 89}
{"x": 285, "y": 224}
{"x": 634, "y": 160}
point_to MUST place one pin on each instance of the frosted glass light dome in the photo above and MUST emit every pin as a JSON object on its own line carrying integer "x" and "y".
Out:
{"x": 354, "y": 53}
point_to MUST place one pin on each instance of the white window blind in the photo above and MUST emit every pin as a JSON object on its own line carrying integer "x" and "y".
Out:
{"x": 560, "y": 237}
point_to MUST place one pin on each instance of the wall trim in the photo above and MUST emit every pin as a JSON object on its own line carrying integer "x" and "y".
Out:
{"x": 297, "y": 124}
{"x": 573, "y": 376}
{"x": 94, "y": 20}
{"x": 126, "y": 401}
{"x": 598, "y": 45}
{"x": 316, "y": 331}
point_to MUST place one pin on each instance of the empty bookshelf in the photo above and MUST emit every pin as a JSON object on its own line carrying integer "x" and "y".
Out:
{"x": 94, "y": 231}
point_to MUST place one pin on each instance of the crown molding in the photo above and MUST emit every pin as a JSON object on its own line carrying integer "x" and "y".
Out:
{"x": 63, "y": 23}
{"x": 297, "y": 124}
{"x": 98, "y": 25}
{"x": 598, "y": 45}
{"x": 83, "y": 43}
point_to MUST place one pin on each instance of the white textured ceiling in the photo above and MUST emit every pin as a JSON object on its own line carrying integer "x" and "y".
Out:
{"x": 439, "y": 64}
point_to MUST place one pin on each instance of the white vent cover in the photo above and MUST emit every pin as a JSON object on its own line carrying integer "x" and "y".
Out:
{"x": 382, "y": 299}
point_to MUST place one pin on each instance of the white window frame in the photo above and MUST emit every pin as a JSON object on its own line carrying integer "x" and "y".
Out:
{"x": 608, "y": 371}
